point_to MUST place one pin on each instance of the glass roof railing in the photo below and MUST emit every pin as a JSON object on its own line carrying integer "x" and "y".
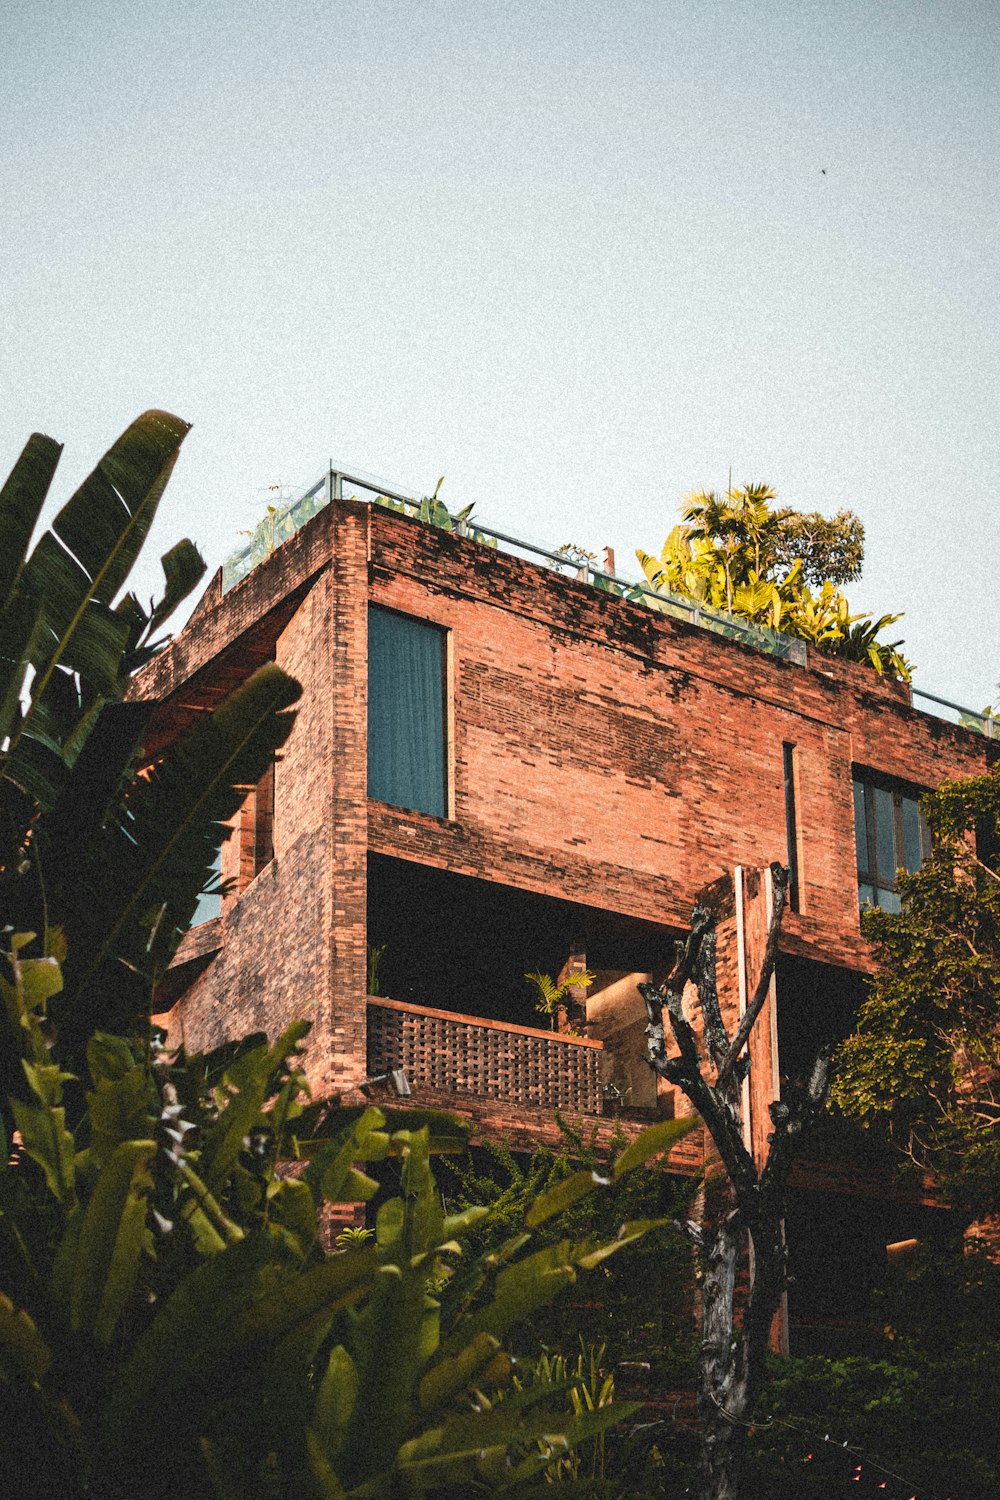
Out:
{"x": 281, "y": 522}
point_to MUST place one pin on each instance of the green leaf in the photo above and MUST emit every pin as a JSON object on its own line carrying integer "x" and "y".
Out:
{"x": 24, "y": 1354}
{"x": 291, "y": 1205}
{"x": 49, "y": 1143}
{"x": 22, "y": 626}
{"x": 111, "y": 1242}
{"x": 119, "y": 1110}
{"x": 520, "y": 1290}
{"x": 555, "y": 1200}
{"x": 107, "y": 520}
{"x": 361, "y": 1140}
{"x": 80, "y": 564}
{"x": 247, "y": 1081}
{"x": 183, "y": 570}
{"x": 41, "y": 978}
{"x": 223, "y": 1318}
{"x": 632, "y": 1230}
{"x": 328, "y": 1485}
{"x": 651, "y": 1142}
{"x": 109, "y": 1057}
{"x": 456, "y": 1226}
{"x": 21, "y": 501}
{"x": 483, "y": 1362}
{"x": 357, "y": 1187}
{"x": 156, "y": 861}
{"x": 335, "y": 1402}
{"x": 45, "y": 1079}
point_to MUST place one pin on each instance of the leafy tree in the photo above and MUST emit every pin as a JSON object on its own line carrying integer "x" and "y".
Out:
{"x": 924, "y": 1062}
{"x": 779, "y": 568}
{"x": 830, "y": 549}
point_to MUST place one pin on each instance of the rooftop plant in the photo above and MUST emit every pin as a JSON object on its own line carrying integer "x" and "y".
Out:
{"x": 779, "y": 568}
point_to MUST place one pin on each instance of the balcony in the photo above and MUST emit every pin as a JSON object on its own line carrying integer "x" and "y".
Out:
{"x": 439, "y": 1049}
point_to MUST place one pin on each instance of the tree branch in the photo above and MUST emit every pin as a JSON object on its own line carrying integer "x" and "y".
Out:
{"x": 719, "y": 1114}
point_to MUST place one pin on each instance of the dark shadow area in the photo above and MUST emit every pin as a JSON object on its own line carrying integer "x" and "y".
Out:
{"x": 837, "y": 1258}
{"x": 452, "y": 942}
{"x": 817, "y": 1003}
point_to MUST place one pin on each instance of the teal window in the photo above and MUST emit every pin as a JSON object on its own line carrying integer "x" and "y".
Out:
{"x": 406, "y": 712}
{"x": 210, "y": 901}
{"x": 890, "y": 834}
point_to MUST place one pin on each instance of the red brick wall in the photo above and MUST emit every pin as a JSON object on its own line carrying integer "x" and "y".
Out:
{"x": 619, "y": 758}
{"x": 601, "y": 754}
{"x": 294, "y": 939}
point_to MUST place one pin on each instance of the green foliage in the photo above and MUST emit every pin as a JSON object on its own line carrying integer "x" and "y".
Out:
{"x": 550, "y": 998}
{"x": 923, "y": 1409}
{"x": 987, "y": 722}
{"x": 104, "y": 866}
{"x": 780, "y": 569}
{"x": 637, "y": 1303}
{"x": 375, "y": 954}
{"x": 924, "y": 1062}
{"x": 433, "y": 512}
{"x": 166, "y": 1292}
{"x": 591, "y": 1388}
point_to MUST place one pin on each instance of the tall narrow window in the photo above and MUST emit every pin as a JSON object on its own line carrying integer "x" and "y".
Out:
{"x": 406, "y": 712}
{"x": 791, "y": 826}
{"x": 210, "y": 902}
{"x": 890, "y": 834}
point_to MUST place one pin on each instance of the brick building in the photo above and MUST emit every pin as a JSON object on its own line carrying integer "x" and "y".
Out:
{"x": 498, "y": 768}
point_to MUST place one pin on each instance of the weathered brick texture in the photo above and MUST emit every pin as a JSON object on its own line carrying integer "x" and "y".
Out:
{"x": 599, "y": 753}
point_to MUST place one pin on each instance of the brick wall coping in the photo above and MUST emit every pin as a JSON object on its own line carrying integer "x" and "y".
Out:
{"x": 454, "y": 1015}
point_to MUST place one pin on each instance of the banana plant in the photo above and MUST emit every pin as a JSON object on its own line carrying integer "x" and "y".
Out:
{"x": 732, "y": 554}
{"x": 171, "y": 1321}
{"x": 103, "y": 864}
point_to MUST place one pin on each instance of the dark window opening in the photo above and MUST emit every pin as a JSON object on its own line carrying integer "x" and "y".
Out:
{"x": 817, "y": 1005}
{"x": 406, "y": 712}
{"x": 890, "y": 834}
{"x": 791, "y": 825}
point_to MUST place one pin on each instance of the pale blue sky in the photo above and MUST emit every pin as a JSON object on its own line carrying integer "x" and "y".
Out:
{"x": 578, "y": 258}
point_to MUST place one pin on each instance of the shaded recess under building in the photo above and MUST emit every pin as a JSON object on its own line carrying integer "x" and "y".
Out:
{"x": 465, "y": 944}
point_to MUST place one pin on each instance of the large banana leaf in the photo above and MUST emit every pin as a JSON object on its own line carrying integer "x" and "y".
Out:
{"x": 124, "y": 900}
{"x": 81, "y": 564}
{"x": 21, "y": 500}
{"x": 217, "y": 1332}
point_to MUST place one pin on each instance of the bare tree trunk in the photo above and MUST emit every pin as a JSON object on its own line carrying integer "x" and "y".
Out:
{"x": 744, "y": 1208}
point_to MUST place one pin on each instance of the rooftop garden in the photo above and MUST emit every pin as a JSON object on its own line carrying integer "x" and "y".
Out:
{"x": 736, "y": 564}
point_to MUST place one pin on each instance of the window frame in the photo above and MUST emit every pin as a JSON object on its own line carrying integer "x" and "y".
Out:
{"x": 444, "y": 635}
{"x": 870, "y": 875}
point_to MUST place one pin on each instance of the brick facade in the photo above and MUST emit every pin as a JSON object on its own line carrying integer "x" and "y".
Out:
{"x": 604, "y": 759}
